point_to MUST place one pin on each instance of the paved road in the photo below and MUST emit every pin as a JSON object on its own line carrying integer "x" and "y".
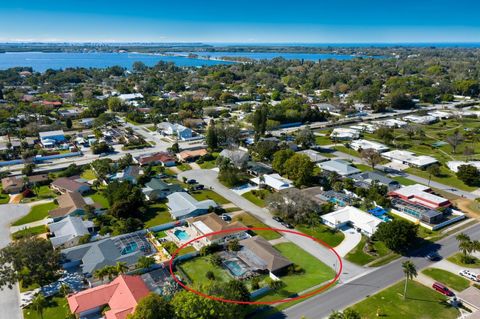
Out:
{"x": 347, "y": 294}
{"x": 209, "y": 179}
{"x": 10, "y": 298}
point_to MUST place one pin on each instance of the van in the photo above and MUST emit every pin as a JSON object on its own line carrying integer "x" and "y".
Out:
{"x": 442, "y": 289}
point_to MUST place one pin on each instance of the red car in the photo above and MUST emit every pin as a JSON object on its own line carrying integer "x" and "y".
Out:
{"x": 442, "y": 289}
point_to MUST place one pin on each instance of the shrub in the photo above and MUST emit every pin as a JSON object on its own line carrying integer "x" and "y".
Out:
{"x": 216, "y": 260}
{"x": 210, "y": 275}
{"x": 255, "y": 283}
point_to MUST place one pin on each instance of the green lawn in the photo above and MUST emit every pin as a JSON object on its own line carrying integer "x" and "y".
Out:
{"x": 360, "y": 257}
{"x": 363, "y": 168}
{"x": 323, "y": 140}
{"x": 37, "y": 212}
{"x": 32, "y": 231}
{"x": 250, "y": 221}
{"x": 184, "y": 167}
{"x": 42, "y": 192}
{"x": 447, "y": 278}
{"x": 422, "y": 302}
{"x": 209, "y": 194}
{"x": 447, "y": 177}
{"x": 57, "y": 309}
{"x": 324, "y": 233}
{"x": 456, "y": 259}
{"x": 404, "y": 181}
{"x": 99, "y": 198}
{"x": 4, "y": 198}
{"x": 157, "y": 214}
{"x": 88, "y": 174}
{"x": 255, "y": 198}
{"x": 197, "y": 268}
{"x": 315, "y": 272}
{"x": 347, "y": 150}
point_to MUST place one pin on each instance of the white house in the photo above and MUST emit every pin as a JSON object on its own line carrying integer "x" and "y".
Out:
{"x": 440, "y": 114}
{"x": 365, "y": 145}
{"x": 178, "y": 130}
{"x": 409, "y": 158}
{"x": 340, "y": 167}
{"x": 364, "y": 127}
{"x": 68, "y": 231}
{"x": 344, "y": 134}
{"x": 393, "y": 123}
{"x": 183, "y": 205}
{"x": 426, "y": 119}
{"x": 454, "y": 165}
{"x": 354, "y": 217}
{"x": 274, "y": 181}
{"x": 52, "y": 138}
{"x": 314, "y": 156}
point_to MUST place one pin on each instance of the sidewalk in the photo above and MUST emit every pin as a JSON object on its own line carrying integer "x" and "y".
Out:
{"x": 44, "y": 221}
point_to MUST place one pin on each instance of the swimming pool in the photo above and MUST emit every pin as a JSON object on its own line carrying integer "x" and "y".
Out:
{"x": 130, "y": 248}
{"x": 181, "y": 234}
{"x": 235, "y": 268}
{"x": 339, "y": 202}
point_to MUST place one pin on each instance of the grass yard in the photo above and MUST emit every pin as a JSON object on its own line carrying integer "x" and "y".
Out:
{"x": 4, "y": 198}
{"x": 323, "y": 140}
{"x": 32, "y": 231}
{"x": 184, "y": 167}
{"x": 447, "y": 177}
{"x": 323, "y": 233}
{"x": 37, "y": 212}
{"x": 250, "y": 221}
{"x": 88, "y": 174}
{"x": 257, "y": 196}
{"x": 457, "y": 259}
{"x": 315, "y": 272}
{"x": 347, "y": 150}
{"x": 360, "y": 257}
{"x": 57, "y": 309}
{"x": 209, "y": 194}
{"x": 363, "y": 167}
{"x": 447, "y": 278}
{"x": 197, "y": 268}
{"x": 99, "y": 198}
{"x": 422, "y": 302}
{"x": 404, "y": 181}
{"x": 157, "y": 214}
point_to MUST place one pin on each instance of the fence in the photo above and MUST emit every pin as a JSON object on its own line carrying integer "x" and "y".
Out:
{"x": 167, "y": 226}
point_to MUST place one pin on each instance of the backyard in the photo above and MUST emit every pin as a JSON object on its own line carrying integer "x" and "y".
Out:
{"x": 31, "y": 231}
{"x": 447, "y": 278}
{"x": 42, "y": 192}
{"x": 257, "y": 196}
{"x": 250, "y": 221}
{"x": 57, "y": 309}
{"x": 421, "y": 302}
{"x": 36, "y": 213}
{"x": 328, "y": 235}
{"x": 208, "y": 194}
{"x": 4, "y": 198}
{"x": 156, "y": 214}
{"x": 99, "y": 198}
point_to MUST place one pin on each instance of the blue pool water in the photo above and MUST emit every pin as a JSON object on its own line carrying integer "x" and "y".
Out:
{"x": 130, "y": 248}
{"x": 181, "y": 234}
{"x": 234, "y": 268}
{"x": 337, "y": 201}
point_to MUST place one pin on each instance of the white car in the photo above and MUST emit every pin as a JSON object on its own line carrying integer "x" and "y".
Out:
{"x": 470, "y": 275}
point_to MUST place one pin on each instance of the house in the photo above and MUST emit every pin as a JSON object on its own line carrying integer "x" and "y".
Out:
{"x": 87, "y": 122}
{"x": 89, "y": 257}
{"x": 365, "y": 179}
{"x": 68, "y": 231}
{"x": 314, "y": 156}
{"x": 163, "y": 158}
{"x": 52, "y": 138}
{"x": 191, "y": 155}
{"x": 340, "y": 167}
{"x": 52, "y": 103}
{"x": 359, "y": 145}
{"x": 391, "y": 123}
{"x": 272, "y": 181}
{"x": 129, "y": 174}
{"x": 259, "y": 254}
{"x": 121, "y": 296}
{"x": 237, "y": 157}
{"x": 420, "y": 194}
{"x": 16, "y": 184}
{"x": 210, "y": 223}
{"x": 258, "y": 169}
{"x": 70, "y": 204}
{"x": 344, "y": 134}
{"x": 454, "y": 165}
{"x": 441, "y": 114}
{"x": 177, "y": 130}
{"x": 426, "y": 119}
{"x": 182, "y": 205}
{"x": 70, "y": 184}
{"x": 409, "y": 158}
{"x": 470, "y": 297}
{"x": 354, "y": 217}
{"x": 157, "y": 189}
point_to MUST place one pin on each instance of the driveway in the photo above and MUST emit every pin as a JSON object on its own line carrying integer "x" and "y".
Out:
{"x": 10, "y": 298}
{"x": 352, "y": 239}
{"x": 209, "y": 179}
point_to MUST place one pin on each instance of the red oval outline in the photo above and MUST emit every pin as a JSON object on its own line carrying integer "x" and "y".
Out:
{"x": 309, "y": 294}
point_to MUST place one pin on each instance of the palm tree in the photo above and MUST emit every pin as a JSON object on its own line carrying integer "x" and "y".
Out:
{"x": 410, "y": 271}
{"x": 464, "y": 243}
{"x": 121, "y": 267}
{"x": 100, "y": 274}
{"x": 39, "y": 303}
{"x": 462, "y": 237}
{"x": 64, "y": 290}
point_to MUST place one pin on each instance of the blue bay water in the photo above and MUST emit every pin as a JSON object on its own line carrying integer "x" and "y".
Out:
{"x": 272, "y": 55}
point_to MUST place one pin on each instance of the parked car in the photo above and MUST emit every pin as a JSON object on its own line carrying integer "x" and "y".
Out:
{"x": 225, "y": 217}
{"x": 289, "y": 226}
{"x": 469, "y": 275}
{"x": 198, "y": 187}
{"x": 442, "y": 289}
{"x": 433, "y": 256}
{"x": 278, "y": 219}
{"x": 192, "y": 181}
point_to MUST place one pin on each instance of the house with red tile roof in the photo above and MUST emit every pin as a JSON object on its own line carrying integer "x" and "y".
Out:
{"x": 162, "y": 158}
{"x": 121, "y": 295}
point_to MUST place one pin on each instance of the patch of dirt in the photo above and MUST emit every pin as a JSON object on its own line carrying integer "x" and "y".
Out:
{"x": 469, "y": 207}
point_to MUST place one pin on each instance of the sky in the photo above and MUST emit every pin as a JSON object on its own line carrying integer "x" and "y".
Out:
{"x": 245, "y": 21}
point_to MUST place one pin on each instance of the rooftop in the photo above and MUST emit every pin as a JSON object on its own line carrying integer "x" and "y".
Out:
{"x": 182, "y": 204}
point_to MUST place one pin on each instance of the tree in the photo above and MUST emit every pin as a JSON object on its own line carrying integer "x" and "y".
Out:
{"x": 125, "y": 199}
{"x": 371, "y": 156}
{"x": 432, "y": 170}
{"x": 175, "y": 148}
{"x": 305, "y": 137}
{"x": 259, "y": 121}
{"x": 145, "y": 262}
{"x": 30, "y": 260}
{"x": 410, "y": 272}
{"x": 455, "y": 140}
{"x": 139, "y": 67}
{"x": 68, "y": 123}
{"x": 467, "y": 246}
{"x": 234, "y": 245}
{"x": 115, "y": 104}
{"x": 125, "y": 161}
{"x": 153, "y": 306}
{"x": 28, "y": 169}
{"x": 299, "y": 168}
{"x": 211, "y": 137}
{"x": 280, "y": 158}
{"x": 294, "y": 206}
{"x": 469, "y": 174}
{"x": 121, "y": 267}
{"x": 400, "y": 101}
{"x": 39, "y": 303}
{"x": 398, "y": 235}
{"x": 346, "y": 314}
{"x": 385, "y": 134}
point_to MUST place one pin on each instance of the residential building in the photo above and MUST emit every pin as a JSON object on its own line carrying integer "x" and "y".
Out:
{"x": 454, "y": 165}
{"x": 70, "y": 204}
{"x": 16, "y": 184}
{"x": 314, "y": 156}
{"x": 157, "y": 189}
{"x": 359, "y": 145}
{"x": 237, "y": 157}
{"x": 129, "y": 174}
{"x": 420, "y": 194}
{"x": 354, "y": 217}
{"x": 68, "y": 231}
{"x": 365, "y": 180}
{"x": 177, "y": 130}
{"x": 391, "y": 123}
{"x": 426, "y": 119}
{"x": 441, "y": 114}
{"x": 258, "y": 168}
{"x": 272, "y": 181}
{"x": 260, "y": 255}
{"x": 344, "y": 134}
{"x": 70, "y": 184}
{"x": 89, "y": 257}
{"x": 210, "y": 223}
{"x": 409, "y": 158}
{"x": 182, "y": 205}
{"x": 163, "y": 158}
{"x": 191, "y": 155}
{"x": 121, "y": 296}
{"x": 340, "y": 167}
{"x": 52, "y": 138}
